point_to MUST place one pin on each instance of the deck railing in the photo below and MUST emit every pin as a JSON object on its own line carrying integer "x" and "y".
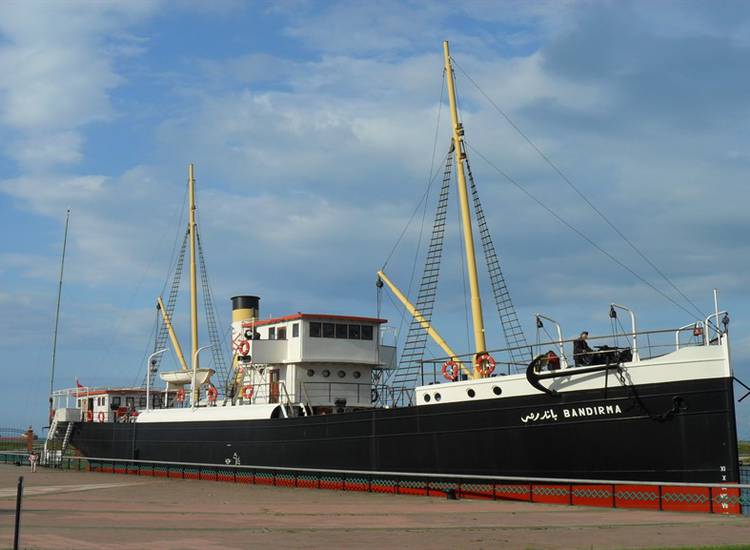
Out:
{"x": 651, "y": 344}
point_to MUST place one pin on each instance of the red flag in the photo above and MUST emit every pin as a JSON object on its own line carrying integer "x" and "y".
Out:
{"x": 78, "y": 384}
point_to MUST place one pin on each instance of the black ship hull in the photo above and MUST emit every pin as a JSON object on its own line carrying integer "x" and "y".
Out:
{"x": 679, "y": 431}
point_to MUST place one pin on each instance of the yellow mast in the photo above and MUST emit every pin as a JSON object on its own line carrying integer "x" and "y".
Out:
{"x": 172, "y": 335}
{"x": 193, "y": 283}
{"x": 471, "y": 263}
{"x": 425, "y": 323}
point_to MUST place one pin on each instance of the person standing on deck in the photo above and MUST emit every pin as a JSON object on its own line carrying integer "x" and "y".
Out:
{"x": 583, "y": 355}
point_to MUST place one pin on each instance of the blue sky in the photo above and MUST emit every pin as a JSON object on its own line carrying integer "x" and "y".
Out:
{"x": 312, "y": 126}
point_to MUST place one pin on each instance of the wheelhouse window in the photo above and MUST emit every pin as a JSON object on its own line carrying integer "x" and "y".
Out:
{"x": 341, "y": 331}
{"x": 366, "y": 332}
{"x": 130, "y": 402}
{"x": 281, "y": 333}
{"x": 142, "y": 401}
{"x": 354, "y": 332}
{"x": 272, "y": 333}
{"x": 295, "y": 330}
{"x": 116, "y": 400}
{"x": 315, "y": 330}
{"x": 329, "y": 330}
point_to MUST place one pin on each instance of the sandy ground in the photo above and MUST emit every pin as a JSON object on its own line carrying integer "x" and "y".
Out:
{"x": 82, "y": 510}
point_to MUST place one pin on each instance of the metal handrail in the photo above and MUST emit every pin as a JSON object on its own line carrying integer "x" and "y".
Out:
{"x": 441, "y": 359}
{"x": 707, "y": 341}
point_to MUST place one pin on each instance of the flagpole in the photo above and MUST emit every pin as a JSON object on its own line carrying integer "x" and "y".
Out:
{"x": 57, "y": 316}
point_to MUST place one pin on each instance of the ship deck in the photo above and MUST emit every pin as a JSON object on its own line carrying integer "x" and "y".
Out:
{"x": 69, "y": 509}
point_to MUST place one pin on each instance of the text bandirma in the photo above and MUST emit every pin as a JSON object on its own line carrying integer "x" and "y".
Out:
{"x": 592, "y": 411}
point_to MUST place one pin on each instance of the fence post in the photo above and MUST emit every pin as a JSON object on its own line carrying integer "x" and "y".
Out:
{"x": 19, "y": 496}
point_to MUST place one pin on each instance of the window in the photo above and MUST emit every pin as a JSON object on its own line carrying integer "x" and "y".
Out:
{"x": 328, "y": 330}
{"x": 116, "y": 401}
{"x": 310, "y": 372}
{"x": 130, "y": 402}
{"x": 295, "y": 330}
{"x": 341, "y": 373}
{"x": 356, "y": 374}
{"x": 326, "y": 373}
{"x": 156, "y": 401}
{"x": 366, "y": 332}
{"x": 341, "y": 331}
{"x": 272, "y": 333}
{"x": 142, "y": 401}
{"x": 281, "y": 333}
{"x": 315, "y": 330}
{"x": 354, "y": 332}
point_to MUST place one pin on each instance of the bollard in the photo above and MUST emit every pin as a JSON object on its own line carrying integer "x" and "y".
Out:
{"x": 19, "y": 496}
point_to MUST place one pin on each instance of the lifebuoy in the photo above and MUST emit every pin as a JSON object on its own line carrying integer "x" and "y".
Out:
{"x": 243, "y": 348}
{"x": 89, "y": 415}
{"x": 180, "y": 396}
{"x": 248, "y": 391}
{"x": 485, "y": 364}
{"x": 450, "y": 370}
{"x": 100, "y": 416}
{"x": 212, "y": 394}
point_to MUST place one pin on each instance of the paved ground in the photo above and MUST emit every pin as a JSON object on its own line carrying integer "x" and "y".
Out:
{"x": 88, "y": 511}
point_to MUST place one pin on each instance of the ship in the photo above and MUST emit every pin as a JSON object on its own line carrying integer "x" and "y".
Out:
{"x": 315, "y": 391}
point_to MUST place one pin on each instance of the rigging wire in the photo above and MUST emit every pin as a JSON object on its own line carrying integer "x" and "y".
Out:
{"x": 578, "y": 232}
{"x": 430, "y": 179}
{"x": 567, "y": 180}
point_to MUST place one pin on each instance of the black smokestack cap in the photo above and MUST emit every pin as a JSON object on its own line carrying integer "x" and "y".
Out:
{"x": 245, "y": 302}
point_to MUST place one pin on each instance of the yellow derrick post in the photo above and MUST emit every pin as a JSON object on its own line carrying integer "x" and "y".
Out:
{"x": 471, "y": 263}
{"x": 193, "y": 276}
{"x": 172, "y": 335}
{"x": 425, "y": 324}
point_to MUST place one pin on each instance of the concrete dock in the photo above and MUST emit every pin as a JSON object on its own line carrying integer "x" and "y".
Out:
{"x": 82, "y": 510}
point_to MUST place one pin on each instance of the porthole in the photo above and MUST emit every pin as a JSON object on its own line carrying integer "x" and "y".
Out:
{"x": 437, "y": 397}
{"x": 326, "y": 373}
{"x": 310, "y": 372}
{"x": 470, "y": 392}
{"x": 341, "y": 373}
{"x": 496, "y": 390}
{"x": 426, "y": 398}
{"x": 356, "y": 374}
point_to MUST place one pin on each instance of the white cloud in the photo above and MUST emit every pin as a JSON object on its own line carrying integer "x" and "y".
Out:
{"x": 61, "y": 73}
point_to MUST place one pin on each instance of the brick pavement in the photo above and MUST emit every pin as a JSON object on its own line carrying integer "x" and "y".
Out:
{"x": 67, "y": 509}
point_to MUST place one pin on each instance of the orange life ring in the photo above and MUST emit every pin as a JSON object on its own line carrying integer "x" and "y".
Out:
{"x": 180, "y": 396}
{"x": 248, "y": 391}
{"x": 212, "y": 394}
{"x": 100, "y": 416}
{"x": 485, "y": 364}
{"x": 450, "y": 371}
{"x": 243, "y": 348}
{"x": 89, "y": 415}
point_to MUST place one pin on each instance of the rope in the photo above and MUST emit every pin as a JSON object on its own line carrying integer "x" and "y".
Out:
{"x": 430, "y": 179}
{"x": 578, "y": 191}
{"x": 580, "y": 233}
